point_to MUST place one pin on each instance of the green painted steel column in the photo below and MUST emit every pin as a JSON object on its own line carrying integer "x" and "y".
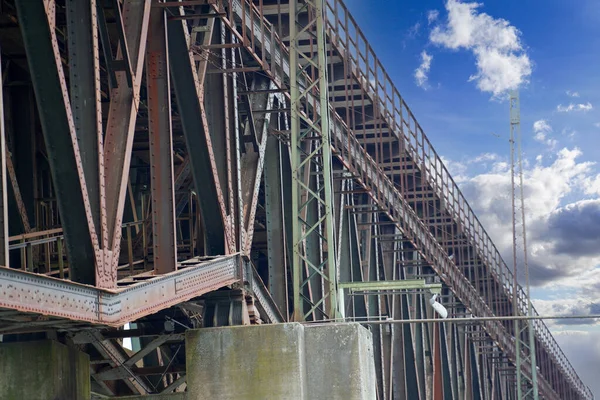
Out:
{"x": 311, "y": 159}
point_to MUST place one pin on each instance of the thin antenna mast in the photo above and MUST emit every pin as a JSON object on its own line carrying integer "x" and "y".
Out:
{"x": 524, "y": 352}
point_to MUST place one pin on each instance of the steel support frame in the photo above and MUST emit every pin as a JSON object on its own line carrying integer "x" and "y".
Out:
{"x": 37, "y": 21}
{"x": 189, "y": 93}
{"x": 71, "y": 301}
{"x": 120, "y": 126}
{"x": 277, "y": 238}
{"x": 161, "y": 143}
{"x": 311, "y": 159}
{"x": 3, "y": 181}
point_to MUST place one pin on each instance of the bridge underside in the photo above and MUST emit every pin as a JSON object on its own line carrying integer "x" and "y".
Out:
{"x": 146, "y": 179}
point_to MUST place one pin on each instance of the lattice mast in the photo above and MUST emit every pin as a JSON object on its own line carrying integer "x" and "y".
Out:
{"x": 526, "y": 388}
{"x": 313, "y": 266}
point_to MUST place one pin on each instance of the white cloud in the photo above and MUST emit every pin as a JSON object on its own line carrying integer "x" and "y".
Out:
{"x": 432, "y": 16}
{"x": 502, "y": 63}
{"x": 541, "y": 128}
{"x": 597, "y": 124}
{"x": 573, "y": 305}
{"x": 482, "y": 158}
{"x": 575, "y": 107}
{"x": 413, "y": 31}
{"x": 546, "y": 187}
{"x": 423, "y": 70}
{"x": 572, "y": 94}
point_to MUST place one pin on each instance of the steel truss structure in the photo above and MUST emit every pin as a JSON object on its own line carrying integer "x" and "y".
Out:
{"x": 178, "y": 164}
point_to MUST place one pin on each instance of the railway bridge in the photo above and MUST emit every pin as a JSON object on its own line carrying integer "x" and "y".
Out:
{"x": 176, "y": 165}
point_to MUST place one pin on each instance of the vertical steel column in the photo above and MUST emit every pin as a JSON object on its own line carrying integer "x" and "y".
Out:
{"x": 517, "y": 195}
{"x": 161, "y": 144}
{"x": 276, "y": 237}
{"x": 3, "y": 187}
{"x": 310, "y": 150}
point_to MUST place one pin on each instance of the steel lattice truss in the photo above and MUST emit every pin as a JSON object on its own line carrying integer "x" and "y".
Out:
{"x": 171, "y": 164}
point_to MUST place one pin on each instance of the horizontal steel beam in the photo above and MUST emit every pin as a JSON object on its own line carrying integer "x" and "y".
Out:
{"x": 44, "y": 295}
{"x": 405, "y": 284}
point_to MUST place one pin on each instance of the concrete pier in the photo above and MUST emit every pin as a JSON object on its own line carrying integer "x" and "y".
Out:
{"x": 43, "y": 370}
{"x": 340, "y": 362}
{"x": 256, "y": 362}
{"x": 284, "y": 361}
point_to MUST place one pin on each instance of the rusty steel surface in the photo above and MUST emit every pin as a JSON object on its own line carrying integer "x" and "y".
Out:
{"x": 161, "y": 145}
{"x": 53, "y": 297}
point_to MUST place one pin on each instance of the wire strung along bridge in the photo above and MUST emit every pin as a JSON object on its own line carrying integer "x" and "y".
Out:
{"x": 184, "y": 164}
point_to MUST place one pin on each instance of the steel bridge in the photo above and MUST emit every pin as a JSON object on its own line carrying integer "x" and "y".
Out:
{"x": 177, "y": 164}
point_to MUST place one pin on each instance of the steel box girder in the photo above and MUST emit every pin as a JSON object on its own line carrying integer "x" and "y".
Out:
{"x": 33, "y": 293}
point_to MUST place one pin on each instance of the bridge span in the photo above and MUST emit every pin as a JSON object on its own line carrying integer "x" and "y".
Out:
{"x": 169, "y": 165}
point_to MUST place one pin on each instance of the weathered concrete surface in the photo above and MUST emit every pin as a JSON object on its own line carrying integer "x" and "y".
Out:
{"x": 170, "y": 396}
{"x": 246, "y": 363}
{"x": 43, "y": 370}
{"x": 340, "y": 362}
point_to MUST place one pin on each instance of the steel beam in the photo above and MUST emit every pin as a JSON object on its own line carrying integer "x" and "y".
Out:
{"x": 36, "y": 19}
{"x": 252, "y": 160}
{"x": 84, "y": 74}
{"x": 68, "y": 300}
{"x": 120, "y": 126}
{"x": 276, "y": 223}
{"x": 161, "y": 144}
{"x": 195, "y": 126}
{"x": 3, "y": 182}
{"x": 310, "y": 151}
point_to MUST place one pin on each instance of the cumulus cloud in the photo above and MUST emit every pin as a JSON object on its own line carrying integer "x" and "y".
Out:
{"x": 432, "y": 16}
{"x": 541, "y": 128}
{"x": 597, "y": 124}
{"x": 550, "y": 232}
{"x": 421, "y": 72}
{"x": 570, "y": 306}
{"x": 575, "y": 107}
{"x": 572, "y": 94}
{"x": 502, "y": 63}
{"x": 575, "y": 228}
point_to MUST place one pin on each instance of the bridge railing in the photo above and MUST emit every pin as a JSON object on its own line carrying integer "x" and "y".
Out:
{"x": 348, "y": 39}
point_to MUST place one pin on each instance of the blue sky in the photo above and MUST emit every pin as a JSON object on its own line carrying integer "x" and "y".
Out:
{"x": 549, "y": 50}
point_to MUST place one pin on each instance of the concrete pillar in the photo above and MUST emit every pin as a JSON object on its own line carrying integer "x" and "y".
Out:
{"x": 43, "y": 370}
{"x": 283, "y": 361}
{"x": 340, "y": 362}
{"x": 246, "y": 363}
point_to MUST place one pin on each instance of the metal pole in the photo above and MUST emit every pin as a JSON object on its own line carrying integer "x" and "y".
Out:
{"x": 294, "y": 131}
{"x": 525, "y": 262}
{"x": 458, "y": 320}
{"x": 516, "y": 324}
{"x": 515, "y": 136}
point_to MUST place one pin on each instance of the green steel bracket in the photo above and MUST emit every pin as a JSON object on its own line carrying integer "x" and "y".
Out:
{"x": 405, "y": 284}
